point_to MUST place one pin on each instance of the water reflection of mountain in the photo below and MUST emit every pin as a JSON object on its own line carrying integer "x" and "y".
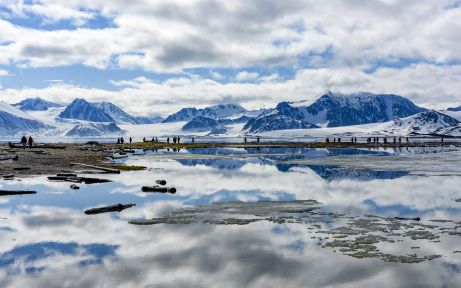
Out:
{"x": 332, "y": 172}
{"x": 221, "y": 164}
{"x": 314, "y": 152}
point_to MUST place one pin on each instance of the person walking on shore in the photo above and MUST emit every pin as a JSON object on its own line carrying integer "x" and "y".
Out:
{"x": 131, "y": 140}
{"x": 24, "y": 142}
{"x": 31, "y": 142}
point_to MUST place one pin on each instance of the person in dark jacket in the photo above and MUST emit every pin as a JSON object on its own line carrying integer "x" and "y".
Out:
{"x": 24, "y": 142}
{"x": 31, "y": 142}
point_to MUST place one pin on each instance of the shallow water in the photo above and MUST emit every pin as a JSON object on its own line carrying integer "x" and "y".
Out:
{"x": 261, "y": 230}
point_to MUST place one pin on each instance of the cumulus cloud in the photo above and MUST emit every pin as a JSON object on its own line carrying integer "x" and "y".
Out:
{"x": 328, "y": 44}
{"x": 246, "y": 76}
{"x": 175, "y": 35}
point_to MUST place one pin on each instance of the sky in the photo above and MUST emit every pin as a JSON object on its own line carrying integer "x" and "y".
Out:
{"x": 154, "y": 57}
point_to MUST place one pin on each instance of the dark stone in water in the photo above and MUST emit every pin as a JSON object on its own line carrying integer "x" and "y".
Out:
{"x": 160, "y": 182}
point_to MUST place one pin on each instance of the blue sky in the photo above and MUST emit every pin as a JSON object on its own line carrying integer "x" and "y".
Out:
{"x": 171, "y": 54}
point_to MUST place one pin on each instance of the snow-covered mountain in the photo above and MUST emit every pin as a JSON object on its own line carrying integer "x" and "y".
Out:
{"x": 334, "y": 110}
{"x": 123, "y": 118}
{"x": 94, "y": 130}
{"x": 214, "y": 112}
{"x": 201, "y": 124}
{"x": 426, "y": 123}
{"x": 116, "y": 113}
{"x": 35, "y": 104}
{"x": 14, "y": 122}
{"x": 275, "y": 121}
{"x": 82, "y": 110}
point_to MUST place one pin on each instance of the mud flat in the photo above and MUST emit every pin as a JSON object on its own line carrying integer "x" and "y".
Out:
{"x": 50, "y": 160}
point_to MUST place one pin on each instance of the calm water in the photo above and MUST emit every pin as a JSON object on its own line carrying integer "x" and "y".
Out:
{"x": 345, "y": 236}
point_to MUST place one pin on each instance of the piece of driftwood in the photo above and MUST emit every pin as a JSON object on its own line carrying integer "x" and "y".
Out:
{"x": 159, "y": 189}
{"x": 112, "y": 208}
{"x": 16, "y": 192}
{"x": 6, "y": 158}
{"x": 107, "y": 170}
{"x": 86, "y": 180}
{"x": 405, "y": 218}
{"x": 161, "y": 182}
{"x": 21, "y": 168}
{"x": 67, "y": 174}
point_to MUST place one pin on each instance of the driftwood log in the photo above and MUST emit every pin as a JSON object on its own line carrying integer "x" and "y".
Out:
{"x": 112, "y": 208}
{"x": 107, "y": 170}
{"x": 159, "y": 189}
{"x": 6, "y": 158}
{"x": 405, "y": 218}
{"x": 16, "y": 192}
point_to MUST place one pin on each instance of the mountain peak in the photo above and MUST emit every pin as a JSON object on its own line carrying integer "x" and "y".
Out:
{"x": 214, "y": 112}
{"x": 36, "y": 104}
{"x": 81, "y": 109}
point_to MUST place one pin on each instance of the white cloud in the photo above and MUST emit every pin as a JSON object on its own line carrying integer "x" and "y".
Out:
{"x": 246, "y": 76}
{"x": 341, "y": 38}
{"x": 424, "y": 84}
{"x": 4, "y": 73}
{"x": 170, "y": 36}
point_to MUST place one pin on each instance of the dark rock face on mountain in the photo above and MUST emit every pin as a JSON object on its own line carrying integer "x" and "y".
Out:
{"x": 82, "y": 110}
{"x": 276, "y": 122}
{"x": 334, "y": 110}
{"x": 123, "y": 118}
{"x": 214, "y": 112}
{"x": 201, "y": 124}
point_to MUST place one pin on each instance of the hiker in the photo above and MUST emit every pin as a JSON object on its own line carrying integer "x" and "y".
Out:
{"x": 327, "y": 140}
{"x": 441, "y": 140}
{"x": 339, "y": 140}
{"x": 131, "y": 140}
{"x": 369, "y": 140}
{"x": 122, "y": 140}
{"x": 174, "y": 140}
{"x": 352, "y": 140}
{"x": 31, "y": 142}
{"x": 144, "y": 139}
{"x": 395, "y": 140}
{"x": 24, "y": 142}
{"x": 408, "y": 140}
{"x": 355, "y": 139}
{"x": 385, "y": 140}
{"x": 257, "y": 139}
{"x": 193, "y": 140}
{"x": 245, "y": 139}
{"x": 400, "y": 139}
{"x": 334, "y": 140}
{"x": 118, "y": 140}
{"x": 168, "y": 140}
{"x": 178, "y": 139}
